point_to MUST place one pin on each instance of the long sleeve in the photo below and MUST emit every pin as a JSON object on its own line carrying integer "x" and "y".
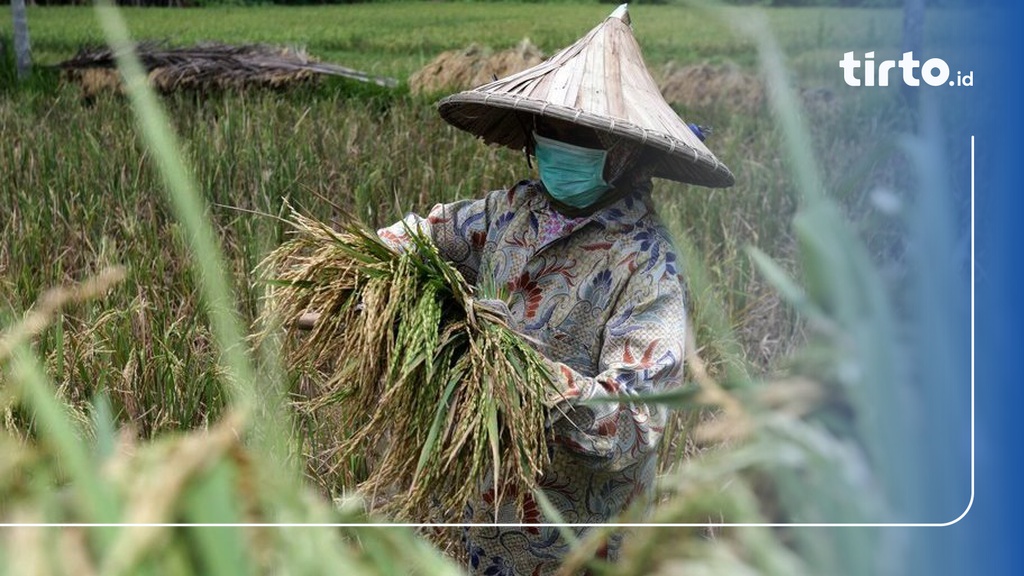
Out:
{"x": 458, "y": 229}
{"x": 605, "y": 299}
{"x": 600, "y": 298}
{"x": 642, "y": 352}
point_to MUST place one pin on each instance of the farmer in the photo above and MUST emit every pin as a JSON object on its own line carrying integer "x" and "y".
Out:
{"x": 591, "y": 272}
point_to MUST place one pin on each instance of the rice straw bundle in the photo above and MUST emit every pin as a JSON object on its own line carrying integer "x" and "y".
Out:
{"x": 416, "y": 361}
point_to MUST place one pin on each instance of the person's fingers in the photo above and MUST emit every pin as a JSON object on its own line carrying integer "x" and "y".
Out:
{"x": 307, "y": 321}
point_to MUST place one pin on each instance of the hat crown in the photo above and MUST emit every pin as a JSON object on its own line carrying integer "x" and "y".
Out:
{"x": 600, "y": 82}
{"x": 622, "y": 13}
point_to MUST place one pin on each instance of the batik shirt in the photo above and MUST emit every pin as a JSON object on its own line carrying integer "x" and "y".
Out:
{"x": 601, "y": 296}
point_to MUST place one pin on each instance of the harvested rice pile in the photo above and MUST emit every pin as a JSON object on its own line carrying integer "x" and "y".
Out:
{"x": 207, "y": 66}
{"x": 472, "y": 67}
{"x": 416, "y": 369}
{"x": 705, "y": 86}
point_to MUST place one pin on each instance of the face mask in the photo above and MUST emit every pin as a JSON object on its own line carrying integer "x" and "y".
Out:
{"x": 573, "y": 175}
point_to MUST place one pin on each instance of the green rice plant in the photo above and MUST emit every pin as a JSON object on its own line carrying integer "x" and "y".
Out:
{"x": 414, "y": 362}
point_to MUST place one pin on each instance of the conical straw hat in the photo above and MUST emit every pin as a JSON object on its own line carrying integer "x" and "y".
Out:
{"x": 599, "y": 82}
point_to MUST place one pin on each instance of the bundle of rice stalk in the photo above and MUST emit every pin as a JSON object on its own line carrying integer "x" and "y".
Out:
{"x": 417, "y": 368}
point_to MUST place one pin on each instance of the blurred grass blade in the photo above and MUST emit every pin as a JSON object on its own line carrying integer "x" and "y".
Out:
{"x": 211, "y": 500}
{"x": 941, "y": 338}
{"x": 94, "y": 499}
{"x": 785, "y": 103}
{"x": 104, "y": 426}
{"x": 791, "y": 291}
{"x": 832, "y": 275}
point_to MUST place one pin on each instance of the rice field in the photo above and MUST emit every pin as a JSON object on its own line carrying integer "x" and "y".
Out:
{"x": 81, "y": 193}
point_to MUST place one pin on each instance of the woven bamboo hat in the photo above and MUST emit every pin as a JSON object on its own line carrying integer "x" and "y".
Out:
{"x": 599, "y": 82}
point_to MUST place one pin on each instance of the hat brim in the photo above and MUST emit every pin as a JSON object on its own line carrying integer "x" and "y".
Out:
{"x": 493, "y": 117}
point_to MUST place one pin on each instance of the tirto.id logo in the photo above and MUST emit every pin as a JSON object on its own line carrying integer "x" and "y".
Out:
{"x": 934, "y": 71}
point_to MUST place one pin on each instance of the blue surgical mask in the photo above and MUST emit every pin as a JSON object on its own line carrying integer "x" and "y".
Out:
{"x": 573, "y": 175}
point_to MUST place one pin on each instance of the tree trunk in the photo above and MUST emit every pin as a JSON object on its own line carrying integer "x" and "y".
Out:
{"x": 22, "y": 49}
{"x": 913, "y": 38}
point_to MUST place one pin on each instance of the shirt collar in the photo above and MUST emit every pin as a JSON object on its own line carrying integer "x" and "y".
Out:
{"x": 620, "y": 215}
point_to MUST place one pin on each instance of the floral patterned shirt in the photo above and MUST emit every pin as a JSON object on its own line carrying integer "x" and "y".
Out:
{"x": 602, "y": 295}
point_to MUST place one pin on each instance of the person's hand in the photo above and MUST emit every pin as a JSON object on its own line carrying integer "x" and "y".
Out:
{"x": 498, "y": 309}
{"x": 307, "y": 321}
